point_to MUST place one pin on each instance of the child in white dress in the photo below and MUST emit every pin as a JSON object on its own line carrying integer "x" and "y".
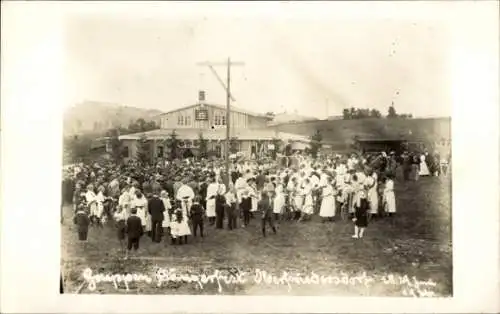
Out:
{"x": 179, "y": 225}
{"x": 389, "y": 198}
{"x": 327, "y": 210}
{"x": 167, "y": 215}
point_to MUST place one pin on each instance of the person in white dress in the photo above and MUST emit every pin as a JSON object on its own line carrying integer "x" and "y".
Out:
{"x": 307, "y": 208}
{"x": 279, "y": 201}
{"x": 424, "y": 170}
{"x": 254, "y": 195}
{"x": 372, "y": 195}
{"x": 212, "y": 191}
{"x": 241, "y": 187}
{"x": 185, "y": 194}
{"x": 327, "y": 209}
{"x": 124, "y": 203}
{"x": 179, "y": 226}
{"x": 140, "y": 203}
{"x": 90, "y": 199}
{"x": 389, "y": 198}
{"x": 167, "y": 217}
{"x": 100, "y": 198}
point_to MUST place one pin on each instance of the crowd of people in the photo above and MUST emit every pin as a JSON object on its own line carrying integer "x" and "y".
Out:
{"x": 175, "y": 200}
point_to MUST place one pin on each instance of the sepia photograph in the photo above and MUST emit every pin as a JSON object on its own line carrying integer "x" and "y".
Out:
{"x": 244, "y": 157}
{"x": 257, "y": 156}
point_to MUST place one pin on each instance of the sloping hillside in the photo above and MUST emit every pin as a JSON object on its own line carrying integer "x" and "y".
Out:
{"x": 96, "y": 117}
{"x": 341, "y": 131}
{"x": 286, "y": 117}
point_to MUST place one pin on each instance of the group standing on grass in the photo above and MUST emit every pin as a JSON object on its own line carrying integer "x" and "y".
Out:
{"x": 175, "y": 199}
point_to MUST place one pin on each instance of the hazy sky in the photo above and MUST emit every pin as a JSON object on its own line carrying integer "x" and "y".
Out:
{"x": 308, "y": 65}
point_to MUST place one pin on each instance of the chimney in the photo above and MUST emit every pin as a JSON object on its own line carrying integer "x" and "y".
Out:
{"x": 201, "y": 96}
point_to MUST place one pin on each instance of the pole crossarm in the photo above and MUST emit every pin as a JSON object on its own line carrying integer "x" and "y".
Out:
{"x": 229, "y": 97}
{"x": 211, "y": 66}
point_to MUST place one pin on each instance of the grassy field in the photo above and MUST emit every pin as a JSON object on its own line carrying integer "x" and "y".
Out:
{"x": 417, "y": 242}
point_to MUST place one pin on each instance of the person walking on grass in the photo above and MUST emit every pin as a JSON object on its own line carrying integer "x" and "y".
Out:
{"x": 265, "y": 207}
{"x": 134, "y": 230}
{"x": 82, "y": 221}
{"x": 360, "y": 215}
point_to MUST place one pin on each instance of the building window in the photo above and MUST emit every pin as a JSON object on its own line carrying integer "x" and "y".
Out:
{"x": 220, "y": 119}
{"x": 184, "y": 120}
{"x": 218, "y": 150}
{"x": 160, "y": 151}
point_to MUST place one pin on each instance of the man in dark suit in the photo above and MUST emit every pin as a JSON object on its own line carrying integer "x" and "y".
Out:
{"x": 197, "y": 214}
{"x": 265, "y": 207}
{"x": 156, "y": 209}
{"x": 134, "y": 231}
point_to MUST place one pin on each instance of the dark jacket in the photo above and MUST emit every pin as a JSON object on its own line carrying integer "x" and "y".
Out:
{"x": 197, "y": 211}
{"x": 82, "y": 220}
{"x": 260, "y": 180}
{"x": 156, "y": 209}
{"x": 264, "y": 206}
{"x": 203, "y": 190}
{"x": 134, "y": 227}
{"x": 169, "y": 187}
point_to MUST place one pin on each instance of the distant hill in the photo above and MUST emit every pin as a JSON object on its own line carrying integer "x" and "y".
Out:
{"x": 339, "y": 132}
{"x": 287, "y": 117}
{"x": 97, "y": 117}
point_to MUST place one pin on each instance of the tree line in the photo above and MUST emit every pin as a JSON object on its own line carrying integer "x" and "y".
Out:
{"x": 79, "y": 147}
{"x": 361, "y": 113}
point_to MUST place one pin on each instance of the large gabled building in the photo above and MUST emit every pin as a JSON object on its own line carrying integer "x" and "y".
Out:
{"x": 248, "y": 130}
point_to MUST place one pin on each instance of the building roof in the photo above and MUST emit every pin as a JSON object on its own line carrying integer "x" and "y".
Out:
{"x": 217, "y": 134}
{"x": 233, "y": 108}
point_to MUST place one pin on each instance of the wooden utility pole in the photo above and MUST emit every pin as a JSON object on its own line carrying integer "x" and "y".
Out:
{"x": 229, "y": 97}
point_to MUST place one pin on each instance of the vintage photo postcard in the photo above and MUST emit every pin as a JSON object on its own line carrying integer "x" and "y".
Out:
{"x": 279, "y": 150}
